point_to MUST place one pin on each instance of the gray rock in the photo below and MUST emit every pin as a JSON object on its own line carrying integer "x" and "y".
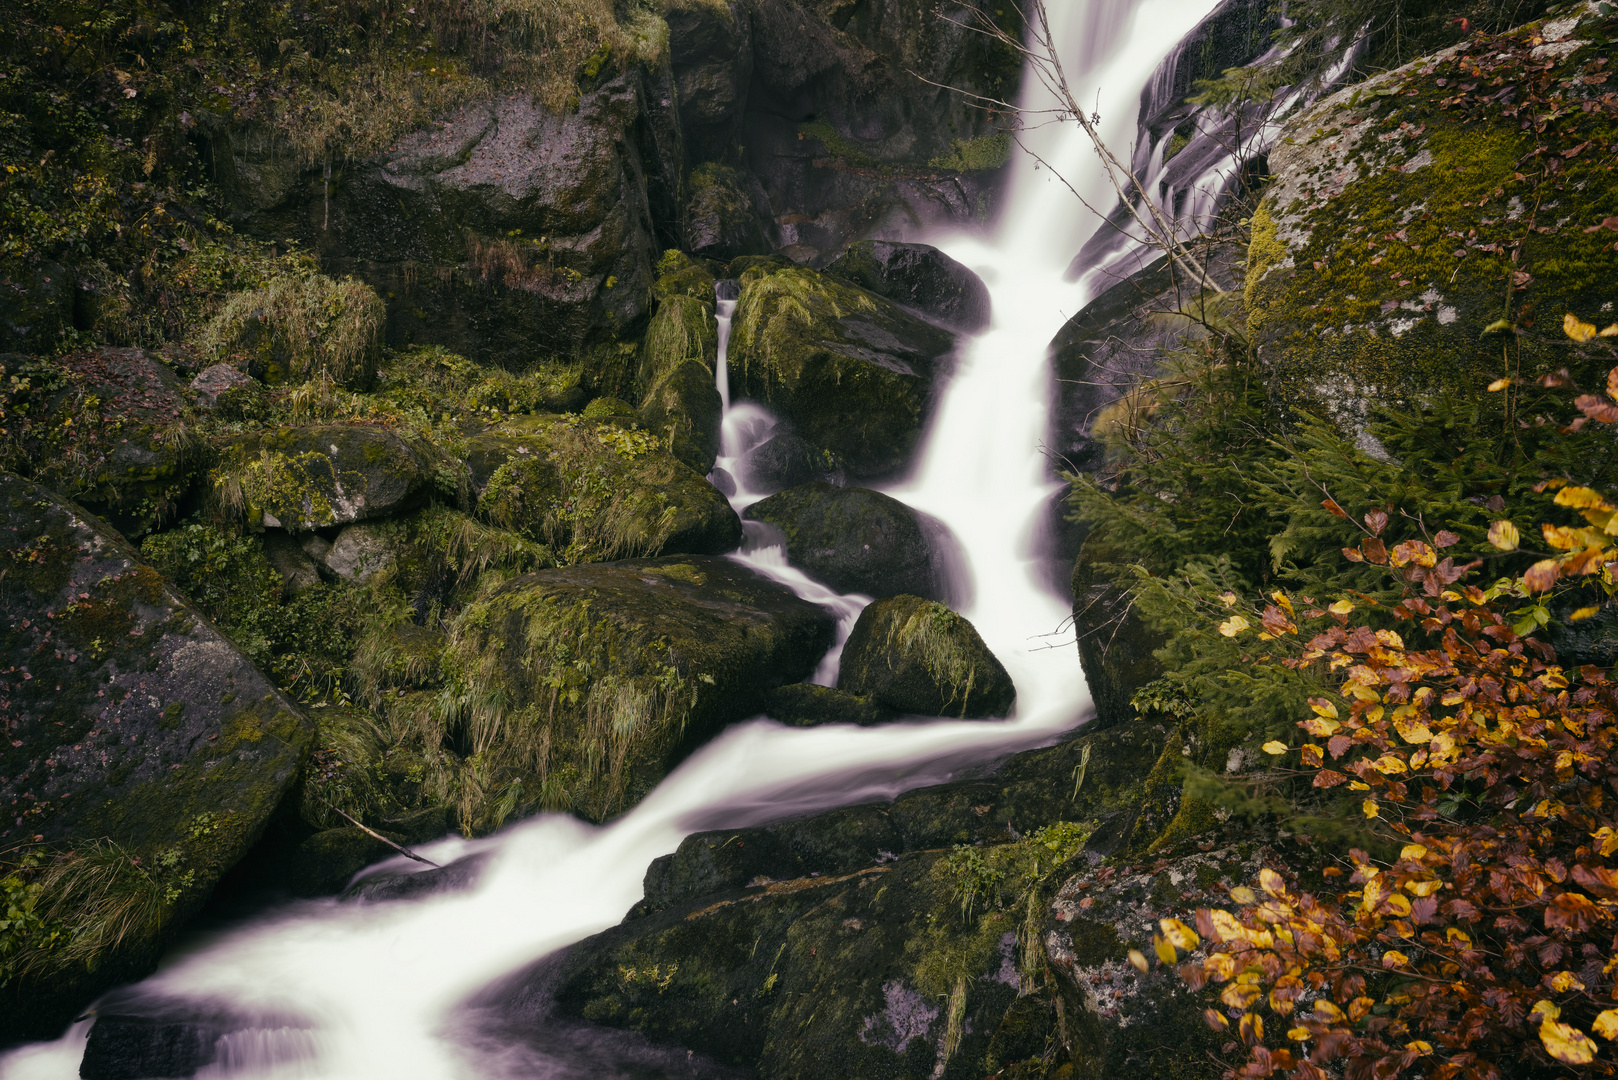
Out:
{"x": 721, "y": 222}
{"x": 920, "y": 657}
{"x": 920, "y": 277}
{"x": 136, "y": 723}
{"x": 216, "y": 386}
{"x": 785, "y": 460}
{"x": 299, "y": 572}
{"x": 360, "y": 552}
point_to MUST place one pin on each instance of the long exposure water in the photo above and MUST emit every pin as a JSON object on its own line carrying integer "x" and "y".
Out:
{"x": 335, "y": 990}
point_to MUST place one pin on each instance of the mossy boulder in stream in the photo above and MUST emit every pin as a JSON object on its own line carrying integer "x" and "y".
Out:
{"x": 591, "y": 682}
{"x": 596, "y": 489}
{"x": 303, "y": 478}
{"x": 142, "y": 756}
{"x": 861, "y": 541}
{"x": 682, "y": 408}
{"x": 919, "y": 276}
{"x": 855, "y": 373}
{"x": 1418, "y": 212}
{"x": 920, "y": 657}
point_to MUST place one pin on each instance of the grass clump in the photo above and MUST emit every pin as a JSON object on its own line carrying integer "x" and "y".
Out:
{"x": 298, "y": 326}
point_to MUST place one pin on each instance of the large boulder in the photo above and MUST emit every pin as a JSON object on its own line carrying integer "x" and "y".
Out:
{"x": 861, "y": 541}
{"x": 921, "y": 277}
{"x": 1116, "y": 648}
{"x": 1404, "y": 223}
{"x": 918, "y": 656}
{"x": 497, "y": 230}
{"x": 303, "y": 478}
{"x": 143, "y": 754}
{"x": 593, "y": 681}
{"x": 855, "y": 942}
{"x": 597, "y": 490}
{"x": 678, "y": 397}
{"x": 110, "y": 428}
{"x": 684, "y": 410}
{"x": 720, "y": 222}
{"x": 855, "y": 373}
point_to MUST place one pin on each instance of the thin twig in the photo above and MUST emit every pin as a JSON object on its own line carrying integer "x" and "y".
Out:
{"x": 373, "y": 834}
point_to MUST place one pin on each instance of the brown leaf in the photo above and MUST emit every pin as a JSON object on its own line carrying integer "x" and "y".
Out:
{"x": 1571, "y": 911}
{"x": 1598, "y": 879}
{"x": 1376, "y": 520}
{"x": 1333, "y": 509}
{"x": 1374, "y": 551}
{"x": 1445, "y": 539}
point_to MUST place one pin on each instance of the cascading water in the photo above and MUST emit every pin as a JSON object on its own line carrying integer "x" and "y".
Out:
{"x": 324, "y": 989}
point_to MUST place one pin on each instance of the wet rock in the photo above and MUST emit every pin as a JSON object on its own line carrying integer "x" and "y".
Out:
{"x": 654, "y": 655}
{"x": 807, "y": 705}
{"x": 596, "y": 490}
{"x": 299, "y": 572}
{"x": 324, "y": 863}
{"x": 136, "y": 723}
{"x": 459, "y": 876}
{"x": 360, "y": 552}
{"x": 1115, "y": 647}
{"x": 784, "y": 460}
{"x": 138, "y": 1037}
{"x": 852, "y": 371}
{"x": 711, "y": 53}
{"x": 723, "y": 482}
{"x": 861, "y": 541}
{"x": 920, "y": 277}
{"x": 303, "y": 478}
{"x": 918, "y": 656}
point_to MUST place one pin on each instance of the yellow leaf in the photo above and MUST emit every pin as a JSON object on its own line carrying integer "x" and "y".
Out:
{"x": 1548, "y": 1009}
{"x": 1388, "y": 764}
{"x": 1423, "y": 888}
{"x": 1229, "y": 598}
{"x": 1504, "y": 535}
{"x": 1271, "y": 881}
{"x": 1413, "y": 851}
{"x": 1369, "y": 806}
{"x": 1319, "y": 725}
{"x": 1606, "y": 1025}
{"x": 1252, "y": 1028}
{"x": 1137, "y": 959}
{"x": 1281, "y": 598}
{"x": 1566, "y": 1043}
{"x": 1563, "y": 981}
{"x": 1241, "y": 894}
{"x": 1322, "y": 707}
{"x": 1342, "y": 607}
{"x": 1577, "y": 328}
{"x": 1398, "y": 905}
{"x": 1233, "y": 626}
{"x": 1393, "y": 958}
{"x": 1240, "y": 995}
{"x": 1274, "y": 747}
{"x": 1499, "y": 384}
{"x": 1179, "y": 934}
{"x": 1300, "y": 1034}
{"x": 1583, "y": 613}
{"x": 1355, "y": 785}
{"x": 1453, "y": 934}
{"x": 1412, "y": 732}
{"x": 1419, "y": 1046}
{"x": 1608, "y": 838}
{"x": 1328, "y": 1011}
{"x": 1226, "y": 928}
{"x": 1581, "y": 497}
{"x": 1165, "y": 951}
{"x": 1219, "y": 967}
{"x": 1610, "y": 331}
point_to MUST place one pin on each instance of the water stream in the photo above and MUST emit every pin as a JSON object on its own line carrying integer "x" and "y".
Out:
{"x": 357, "y": 990}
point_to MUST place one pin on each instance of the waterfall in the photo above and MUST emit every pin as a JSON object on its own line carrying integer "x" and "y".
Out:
{"x": 379, "y": 987}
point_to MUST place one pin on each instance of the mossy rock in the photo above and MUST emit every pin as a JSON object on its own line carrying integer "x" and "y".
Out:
{"x": 304, "y": 478}
{"x": 683, "y": 329}
{"x": 132, "y": 722}
{"x": 861, "y": 541}
{"x": 787, "y": 460}
{"x": 300, "y": 326}
{"x": 678, "y": 274}
{"x": 1410, "y": 217}
{"x": 325, "y": 863}
{"x": 597, "y": 679}
{"x": 684, "y": 410}
{"x": 596, "y": 491}
{"x": 808, "y": 705}
{"x": 919, "y": 276}
{"x": 720, "y": 221}
{"x": 918, "y": 656}
{"x": 298, "y": 569}
{"x": 120, "y": 437}
{"x": 855, "y": 373}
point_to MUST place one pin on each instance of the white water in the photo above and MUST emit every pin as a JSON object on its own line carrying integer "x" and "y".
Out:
{"x": 364, "y": 991}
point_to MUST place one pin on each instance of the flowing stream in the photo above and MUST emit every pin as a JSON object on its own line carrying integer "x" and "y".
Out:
{"x": 335, "y": 990}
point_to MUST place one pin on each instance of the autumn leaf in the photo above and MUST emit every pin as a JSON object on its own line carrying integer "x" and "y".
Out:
{"x": 1541, "y": 576}
{"x": 1393, "y": 958}
{"x": 1577, "y": 329}
{"x": 1504, "y": 535}
{"x": 1274, "y": 747}
{"x": 1179, "y": 934}
{"x": 1138, "y": 960}
{"x": 1369, "y": 806}
{"x": 1333, "y": 509}
{"x": 1566, "y": 1043}
{"x": 1233, "y": 626}
{"x": 1606, "y": 1025}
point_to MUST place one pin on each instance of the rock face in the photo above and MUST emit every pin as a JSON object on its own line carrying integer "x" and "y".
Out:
{"x": 130, "y": 721}
{"x": 861, "y": 541}
{"x": 853, "y": 372}
{"x": 597, "y": 490}
{"x": 1115, "y": 647}
{"x": 501, "y": 229}
{"x": 606, "y": 675}
{"x": 720, "y": 221}
{"x": 919, "y": 277}
{"x": 918, "y": 656}
{"x": 808, "y": 705}
{"x": 304, "y": 478}
{"x": 1366, "y": 281}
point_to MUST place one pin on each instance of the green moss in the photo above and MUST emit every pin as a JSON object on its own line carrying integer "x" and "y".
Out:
{"x": 297, "y": 326}
{"x": 983, "y": 154}
{"x": 682, "y": 329}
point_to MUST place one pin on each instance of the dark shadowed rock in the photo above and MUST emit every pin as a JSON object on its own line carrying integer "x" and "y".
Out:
{"x": 299, "y": 571}
{"x": 860, "y": 541}
{"x": 786, "y": 459}
{"x": 458, "y": 876}
{"x": 129, "y": 720}
{"x": 720, "y": 220}
{"x": 919, "y": 277}
{"x": 227, "y": 391}
{"x": 918, "y": 656}
{"x": 808, "y": 705}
